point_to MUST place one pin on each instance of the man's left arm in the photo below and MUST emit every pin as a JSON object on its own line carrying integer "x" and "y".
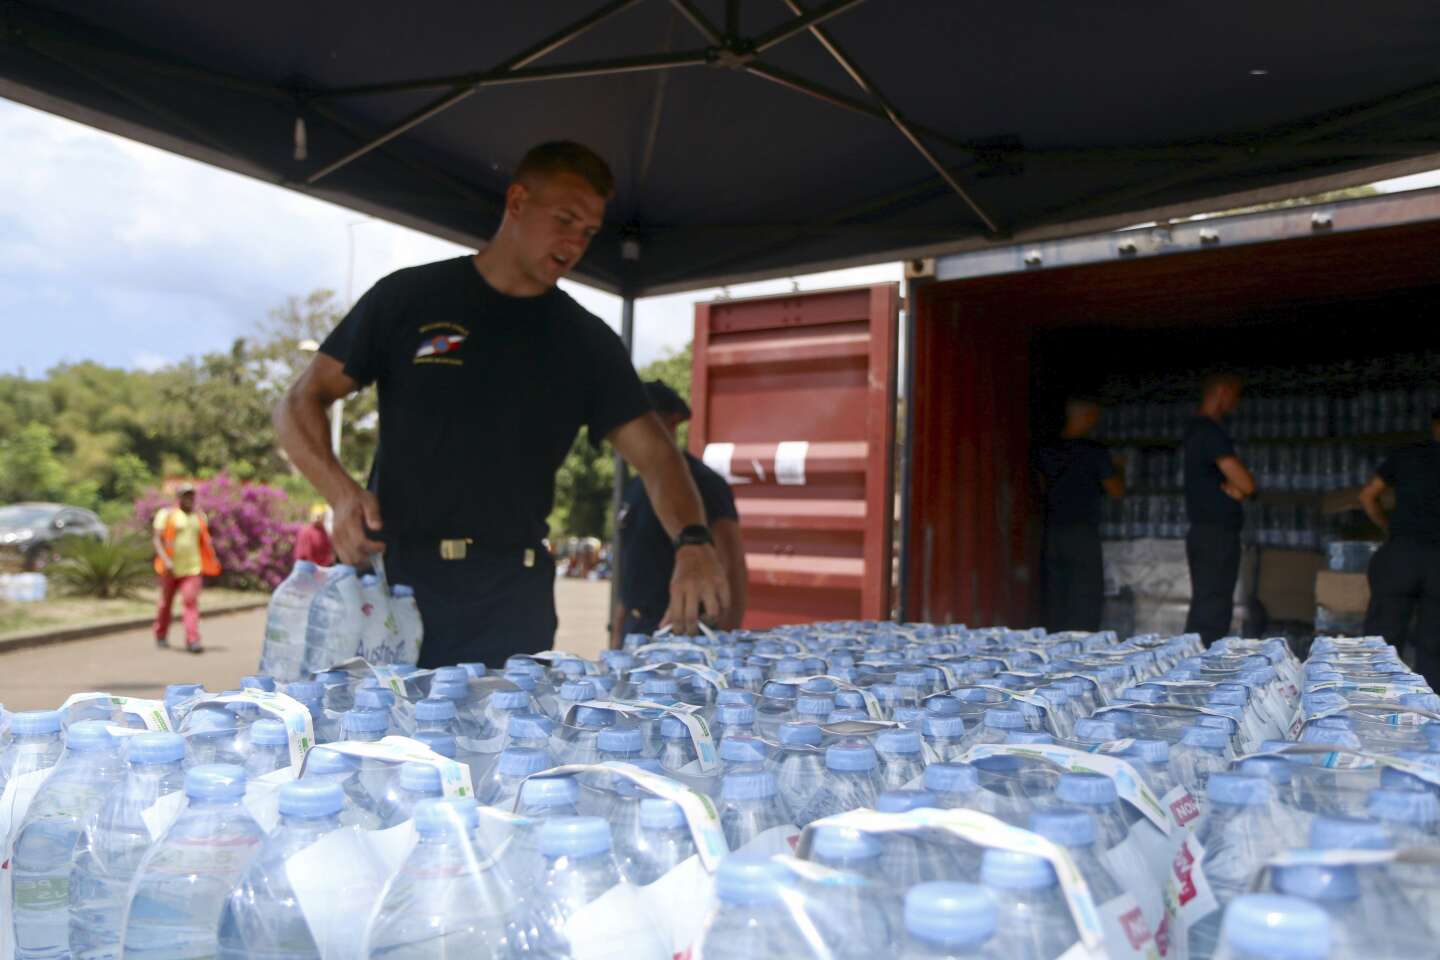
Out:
{"x": 699, "y": 577}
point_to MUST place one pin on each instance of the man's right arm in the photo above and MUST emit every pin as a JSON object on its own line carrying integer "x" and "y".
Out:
{"x": 1370, "y": 502}
{"x": 159, "y": 543}
{"x": 304, "y": 434}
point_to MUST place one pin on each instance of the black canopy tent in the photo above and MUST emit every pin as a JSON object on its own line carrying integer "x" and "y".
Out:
{"x": 762, "y": 138}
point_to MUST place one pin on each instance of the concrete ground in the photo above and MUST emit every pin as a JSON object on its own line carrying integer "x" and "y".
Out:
{"x": 130, "y": 664}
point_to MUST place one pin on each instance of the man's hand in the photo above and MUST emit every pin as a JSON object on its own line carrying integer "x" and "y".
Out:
{"x": 1233, "y": 492}
{"x": 699, "y": 579}
{"x": 352, "y": 516}
{"x": 167, "y": 562}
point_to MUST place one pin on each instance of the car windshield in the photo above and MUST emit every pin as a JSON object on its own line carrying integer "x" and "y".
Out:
{"x": 22, "y": 516}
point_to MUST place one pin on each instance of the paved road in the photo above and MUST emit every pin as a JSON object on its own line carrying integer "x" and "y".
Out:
{"x": 129, "y": 663}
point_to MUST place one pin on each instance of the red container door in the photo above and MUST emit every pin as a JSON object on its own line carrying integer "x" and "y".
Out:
{"x": 793, "y": 398}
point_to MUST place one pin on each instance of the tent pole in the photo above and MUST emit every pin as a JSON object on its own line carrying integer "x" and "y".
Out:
{"x": 627, "y": 335}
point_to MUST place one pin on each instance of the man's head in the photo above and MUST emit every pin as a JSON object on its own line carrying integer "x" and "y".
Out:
{"x": 1220, "y": 393}
{"x": 1082, "y": 416}
{"x": 185, "y": 497}
{"x": 669, "y": 406}
{"x": 554, "y": 206}
{"x": 317, "y": 513}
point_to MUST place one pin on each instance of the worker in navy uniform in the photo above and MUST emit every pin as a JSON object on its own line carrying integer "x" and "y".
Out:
{"x": 486, "y": 372}
{"x": 647, "y": 557}
{"x": 1405, "y": 572}
{"x": 1217, "y": 484}
{"x": 1076, "y": 473}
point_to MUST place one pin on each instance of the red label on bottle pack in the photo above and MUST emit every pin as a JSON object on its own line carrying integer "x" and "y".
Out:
{"x": 1137, "y": 931}
{"x": 1184, "y": 810}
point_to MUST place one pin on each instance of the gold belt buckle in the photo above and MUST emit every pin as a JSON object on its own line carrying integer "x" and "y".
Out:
{"x": 529, "y": 559}
{"x": 454, "y": 549}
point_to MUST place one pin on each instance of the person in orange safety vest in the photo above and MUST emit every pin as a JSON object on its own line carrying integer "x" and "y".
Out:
{"x": 184, "y": 556}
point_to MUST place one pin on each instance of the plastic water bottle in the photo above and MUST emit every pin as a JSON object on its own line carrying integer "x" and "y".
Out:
{"x": 777, "y": 706}
{"x": 379, "y": 631}
{"x": 747, "y": 678}
{"x": 814, "y": 707}
{"x": 407, "y": 622}
{"x": 339, "y": 694}
{"x": 844, "y": 848}
{"x": 546, "y": 797}
{"x": 579, "y": 742}
{"x": 515, "y": 764}
{"x": 269, "y": 749}
{"x": 733, "y": 719}
{"x": 1096, "y": 794}
{"x": 441, "y": 743}
{"x": 851, "y": 782}
{"x": 447, "y": 900}
{"x": 109, "y": 859}
{"x": 750, "y": 804}
{"x": 752, "y": 919}
{"x": 1033, "y": 920}
{"x": 211, "y": 736}
{"x": 287, "y": 621}
{"x": 1091, "y": 731}
{"x": 262, "y": 916}
{"x": 185, "y": 878}
{"x": 326, "y": 766}
{"x": 175, "y": 695}
{"x": 956, "y": 786}
{"x": 1410, "y": 817}
{"x": 312, "y": 695}
{"x": 579, "y": 864}
{"x": 742, "y": 752}
{"x": 413, "y": 783}
{"x": 365, "y": 726}
{"x": 333, "y": 628}
{"x": 258, "y": 681}
{"x": 1201, "y": 753}
{"x": 1074, "y": 829}
{"x": 36, "y": 743}
{"x": 901, "y": 760}
{"x": 665, "y": 841}
{"x": 53, "y": 835}
{"x": 800, "y": 765}
{"x": 677, "y": 750}
{"x": 998, "y": 723}
{"x": 436, "y": 713}
{"x": 1361, "y": 924}
{"x": 1263, "y": 926}
{"x": 949, "y": 920}
{"x": 944, "y": 735}
{"x": 625, "y": 744}
{"x": 1151, "y": 761}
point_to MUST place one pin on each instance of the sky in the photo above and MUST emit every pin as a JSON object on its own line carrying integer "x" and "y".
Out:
{"x": 121, "y": 253}
{"x": 125, "y": 254}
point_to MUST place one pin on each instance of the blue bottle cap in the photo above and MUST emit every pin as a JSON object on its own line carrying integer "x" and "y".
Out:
{"x": 744, "y": 879}
{"x": 1348, "y": 833}
{"x": 794, "y": 734}
{"x": 258, "y": 682}
{"x": 530, "y": 726}
{"x": 574, "y": 669}
{"x": 671, "y": 728}
{"x": 420, "y": 778}
{"x": 320, "y": 761}
{"x": 731, "y": 695}
{"x": 942, "y": 707}
{"x": 951, "y": 778}
{"x": 311, "y": 798}
{"x": 401, "y": 590}
{"x": 550, "y": 792}
{"x": 840, "y": 716}
{"x": 735, "y": 715}
{"x": 1008, "y": 870}
{"x": 844, "y": 843}
{"x": 1207, "y": 738}
{"x": 815, "y": 705}
{"x": 215, "y": 781}
{"x": 269, "y": 733}
{"x": 903, "y": 801}
{"x": 779, "y": 691}
{"x": 306, "y": 691}
{"x": 908, "y": 715}
{"x": 365, "y": 721}
{"x": 88, "y": 735}
{"x": 1004, "y": 718}
{"x": 1277, "y": 770}
{"x": 898, "y": 741}
{"x": 823, "y": 685}
{"x": 1143, "y": 695}
{"x": 851, "y": 758}
{"x": 910, "y": 678}
{"x": 741, "y": 748}
{"x": 574, "y": 837}
{"x": 1316, "y": 882}
{"x": 435, "y": 710}
{"x": 520, "y": 678}
{"x": 451, "y": 675}
{"x": 523, "y": 761}
{"x": 438, "y": 742}
{"x": 147, "y": 748}
{"x": 748, "y": 785}
{"x": 510, "y": 700}
{"x": 578, "y": 691}
{"x": 849, "y": 700}
{"x": 658, "y": 814}
{"x": 593, "y": 718}
{"x": 660, "y": 686}
{"x": 1098, "y": 731}
{"x": 331, "y": 677}
{"x": 36, "y": 723}
{"x": 1148, "y": 751}
{"x": 621, "y": 740}
{"x": 1067, "y": 826}
{"x": 1418, "y": 808}
{"x": 1031, "y": 737}
{"x": 1239, "y": 790}
{"x": 946, "y": 727}
{"x": 438, "y": 815}
{"x": 377, "y": 700}
{"x": 747, "y": 675}
{"x": 1086, "y": 789}
{"x": 1279, "y": 927}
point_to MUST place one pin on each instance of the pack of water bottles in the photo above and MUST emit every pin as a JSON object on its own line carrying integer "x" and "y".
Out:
{"x": 320, "y": 616}
{"x": 830, "y": 791}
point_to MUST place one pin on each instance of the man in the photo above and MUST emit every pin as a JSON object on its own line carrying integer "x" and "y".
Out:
{"x": 1076, "y": 473}
{"x": 184, "y": 555}
{"x": 467, "y": 354}
{"x": 1217, "y": 483}
{"x": 647, "y": 557}
{"x": 313, "y": 542}
{"x": 1405, "y": 572}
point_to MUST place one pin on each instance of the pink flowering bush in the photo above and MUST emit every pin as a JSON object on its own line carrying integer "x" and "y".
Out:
{"x": 253, "y": 539}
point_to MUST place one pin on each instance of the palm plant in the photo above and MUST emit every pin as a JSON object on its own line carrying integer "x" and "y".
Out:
{"x": 114, "y": 567}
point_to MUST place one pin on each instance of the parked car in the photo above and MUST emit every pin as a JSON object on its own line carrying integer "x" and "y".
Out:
{"x": 30, "y": 532}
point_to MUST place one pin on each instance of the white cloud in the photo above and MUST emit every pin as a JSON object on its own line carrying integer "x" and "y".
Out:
{"x": 147, "y": 360}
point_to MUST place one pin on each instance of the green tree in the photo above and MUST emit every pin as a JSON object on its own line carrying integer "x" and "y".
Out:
{"x": 29, "y": 469}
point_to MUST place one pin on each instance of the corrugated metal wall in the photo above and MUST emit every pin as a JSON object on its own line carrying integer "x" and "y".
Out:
{"x": 795, "y": 396}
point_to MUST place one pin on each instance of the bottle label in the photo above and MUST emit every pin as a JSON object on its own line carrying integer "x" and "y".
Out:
{"x": 872, "y": 705}
{"x": 1051, "y": 725}
{"x": 1334, "y": 758}
{"x": 299, "y": 728}
{"x": 454, "y": 776}
{"x": 686, "y": 713}
{"x": 713, "y": 677}
{"x": 151, "y": 712}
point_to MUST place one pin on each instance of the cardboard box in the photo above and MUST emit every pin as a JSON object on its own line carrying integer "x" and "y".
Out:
{"x": 1342, "y": 592}
{"x": 1287, "y": 583}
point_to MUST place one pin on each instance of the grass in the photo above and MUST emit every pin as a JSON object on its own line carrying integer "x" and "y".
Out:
{"x": 63, "y": 612}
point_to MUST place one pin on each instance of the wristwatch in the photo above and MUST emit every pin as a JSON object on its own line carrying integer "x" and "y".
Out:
{"x": 695, "y": 535}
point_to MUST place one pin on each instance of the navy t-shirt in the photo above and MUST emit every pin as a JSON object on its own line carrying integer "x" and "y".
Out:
{"x": 647, "y": 554}
{"x": 1207, "y": 505}
{"x": 481, "y": 396}
{"x": 1074, "y": 472}
{"x": 1414, "y": 472}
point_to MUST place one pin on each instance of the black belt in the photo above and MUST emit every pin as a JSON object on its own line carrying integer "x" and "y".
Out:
{"x": 464, "y": 548}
